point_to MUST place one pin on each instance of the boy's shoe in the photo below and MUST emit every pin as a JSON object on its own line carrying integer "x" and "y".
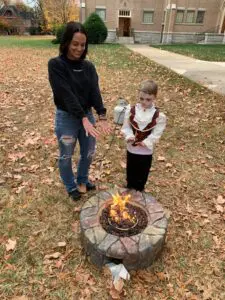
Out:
{"x": 90, "y": 186}
{"x": 75, "y": 195}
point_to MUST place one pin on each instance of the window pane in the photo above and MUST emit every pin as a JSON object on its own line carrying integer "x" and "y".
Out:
{"x": 180, "y": 16}
{"x": 190, "y": 16}
{"x": 200, "y": 17}
{"x": 101, "y": 12}
{"x": 148, "y": 17}
{"x": 124, "y": 13}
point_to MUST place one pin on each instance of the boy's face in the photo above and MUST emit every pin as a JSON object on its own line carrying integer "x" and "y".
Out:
{"x": 146, "y": 100}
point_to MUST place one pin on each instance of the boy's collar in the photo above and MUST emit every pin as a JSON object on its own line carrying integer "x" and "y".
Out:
{"x": 144, "y": 109}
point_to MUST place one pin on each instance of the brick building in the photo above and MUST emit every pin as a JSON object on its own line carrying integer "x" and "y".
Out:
{"x": 19, "y": 21}
{"x": 155, "y": 21}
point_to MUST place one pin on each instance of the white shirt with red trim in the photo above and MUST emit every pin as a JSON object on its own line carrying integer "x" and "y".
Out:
{"x": 143, "y": 117}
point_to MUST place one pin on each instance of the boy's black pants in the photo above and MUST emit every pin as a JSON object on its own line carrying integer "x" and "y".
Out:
{"x": 138, "y": 168}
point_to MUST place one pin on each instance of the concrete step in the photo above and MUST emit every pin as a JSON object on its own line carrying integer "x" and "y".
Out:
{"x": 125, "y": 40}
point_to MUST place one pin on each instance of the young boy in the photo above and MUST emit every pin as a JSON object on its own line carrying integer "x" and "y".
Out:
{"x": 142, "y": 128}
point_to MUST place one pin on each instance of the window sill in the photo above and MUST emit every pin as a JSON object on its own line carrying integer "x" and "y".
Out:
{"x": 147, "y": 23}
{"x": 190, "y": 24}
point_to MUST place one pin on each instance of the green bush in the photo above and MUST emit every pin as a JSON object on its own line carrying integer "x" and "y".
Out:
{"x": 3, "y": 24}
{"x": 96, "y": 30}
{"x": 59, "y": 30}
{"x": 34, "y": 30}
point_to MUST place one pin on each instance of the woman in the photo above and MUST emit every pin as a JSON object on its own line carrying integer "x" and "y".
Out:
{"x": 75, "y": 87}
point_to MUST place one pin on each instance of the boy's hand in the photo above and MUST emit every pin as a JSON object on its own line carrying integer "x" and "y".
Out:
{"x": 131, "y": 139}
{"x": 140, "y": 144}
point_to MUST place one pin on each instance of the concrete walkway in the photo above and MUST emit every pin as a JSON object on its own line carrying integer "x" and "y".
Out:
{"x": 208, "y": 74}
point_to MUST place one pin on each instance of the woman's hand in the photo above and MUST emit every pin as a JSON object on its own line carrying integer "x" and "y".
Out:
{"x": 89, "y": 128}
{"x": 104, "y": 127}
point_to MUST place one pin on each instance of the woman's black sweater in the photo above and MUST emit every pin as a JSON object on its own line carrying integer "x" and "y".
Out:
{"x": 75, "y": 86}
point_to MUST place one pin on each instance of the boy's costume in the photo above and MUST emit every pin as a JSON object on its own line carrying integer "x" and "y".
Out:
{"x": 147, "y": 126}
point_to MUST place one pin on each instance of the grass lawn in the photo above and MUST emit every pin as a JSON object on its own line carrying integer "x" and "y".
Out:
{"x": 37, "y": 215}
{"x": 203, "y": 52}
{"x": 27, "y": 41}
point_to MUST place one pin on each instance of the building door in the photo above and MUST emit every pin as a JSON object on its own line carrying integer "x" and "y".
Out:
{"x": 124, "y": 26}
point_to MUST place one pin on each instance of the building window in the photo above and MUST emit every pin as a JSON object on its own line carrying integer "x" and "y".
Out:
{"x": 148, "y": 17}
{"x": 8, "y": 14}
{"x": 190, "y": 17}
{"x": 101, "y": 12}
{"x": 124, "y": 13}
{"x": 180, "y": 16}
{"x": 200, "y": 16}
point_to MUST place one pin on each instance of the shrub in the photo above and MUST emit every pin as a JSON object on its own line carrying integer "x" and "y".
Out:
{"x": 4, "y": 24}
{"x": 96, "y": 29}
{"x": 59, "y": 30}
{"x": 34, "y": 30}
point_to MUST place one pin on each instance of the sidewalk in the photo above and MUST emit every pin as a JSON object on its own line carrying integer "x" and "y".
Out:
{"x": 208, "y": 74}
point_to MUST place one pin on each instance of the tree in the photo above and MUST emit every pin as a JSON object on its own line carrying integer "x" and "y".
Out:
{"x": 96, "y": 29}
{"x": 4, "y": 2}
{"x": 4, "y": 25}
{"x": 56, "y": 12}
{"x": 40, "y": 14}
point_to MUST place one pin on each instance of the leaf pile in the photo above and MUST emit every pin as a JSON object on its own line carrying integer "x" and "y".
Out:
{"x": 41, "y": 254}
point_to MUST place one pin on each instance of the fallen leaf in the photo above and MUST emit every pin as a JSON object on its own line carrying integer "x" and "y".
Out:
{"x": 169, "y": 165}
{"x": 75, "y": 227}
{"x": 82, "y": 278}
{"x": 219, "y": 208}
{"x": 161, "y": 276}
{"x": 102, "y": 187}
{"x": 59, "y": 264}
{"x": 91, "y": 281}
{"x": 47, "y": 262}
{"x": 217, "y": 241}
{"x": 21, "y": 187}
{"x": 114, "y": 293}
{"x": 123, "y": 165}
{"x": 10, "y": 267}
{"x": 77, "y": 209}
{"x": 61, "y": 244}
{"x": 161, "y": 158}
{"x": 31, "y": 141}
{"x": 2, "y": 180}
{"x": 11, "y": 245}
{"x": 16, "y": 156}
{"x": 119, "y": 285}
{"x": 54, "y": 255}
{"x": 167, "y": 213}
{"x": 18, "y": 177}
{"x": 3, "y": 203}
{"x": 47, "y": 181}
{"x": 220, "y": 200}
{"x": 20, "y": 298}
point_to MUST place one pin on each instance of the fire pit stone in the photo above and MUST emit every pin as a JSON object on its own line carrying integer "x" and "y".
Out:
{"x": 134, "y": 251}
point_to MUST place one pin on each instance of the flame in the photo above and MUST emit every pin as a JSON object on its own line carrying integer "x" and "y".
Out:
{"x": 119, "y": 211}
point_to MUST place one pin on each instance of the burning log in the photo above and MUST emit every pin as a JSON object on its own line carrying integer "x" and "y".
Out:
{"x": 120, "y": 212}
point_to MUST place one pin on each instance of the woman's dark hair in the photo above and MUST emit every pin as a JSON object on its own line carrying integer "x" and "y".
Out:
{"x": 71, "y": 28}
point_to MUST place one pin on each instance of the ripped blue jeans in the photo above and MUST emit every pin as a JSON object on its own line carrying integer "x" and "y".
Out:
{"x": 68, "y": 130}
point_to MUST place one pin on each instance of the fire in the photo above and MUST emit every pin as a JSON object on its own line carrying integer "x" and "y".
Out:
{"x": 119, "y": 211}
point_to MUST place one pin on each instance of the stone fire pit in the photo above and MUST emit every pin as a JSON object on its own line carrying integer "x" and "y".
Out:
{"x": 137, "y": 250}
